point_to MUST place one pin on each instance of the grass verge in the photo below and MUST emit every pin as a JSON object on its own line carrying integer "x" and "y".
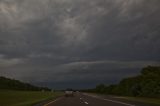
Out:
{"x": 154, "y": 101}
{"x": 24, "y": 98}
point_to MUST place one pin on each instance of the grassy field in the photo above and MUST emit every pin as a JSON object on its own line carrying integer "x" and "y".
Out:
{"x": 24, "y": 98}
{"x": 154, "y": 101}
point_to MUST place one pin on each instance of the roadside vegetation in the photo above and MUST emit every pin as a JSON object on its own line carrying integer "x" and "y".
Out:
{"x": 152, "y": 101}
{"x": 139, "y": 88}
{"x": 25, "y": 98}
{"x": 17, "y": 93}
{"x": 12, "y": 84}
{"x": 145, "y": 85}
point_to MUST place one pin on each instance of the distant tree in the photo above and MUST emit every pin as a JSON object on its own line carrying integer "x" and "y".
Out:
{"x": 101, "y": 88}
{"x": 11, "y": 84}
{"x": 147, "y": 84}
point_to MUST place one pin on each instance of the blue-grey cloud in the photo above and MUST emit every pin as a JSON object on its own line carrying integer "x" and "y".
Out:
{"x": 55, "y": 42}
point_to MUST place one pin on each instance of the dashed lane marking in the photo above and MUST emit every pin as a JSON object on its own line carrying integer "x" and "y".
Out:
{"x": 86, "y": 103}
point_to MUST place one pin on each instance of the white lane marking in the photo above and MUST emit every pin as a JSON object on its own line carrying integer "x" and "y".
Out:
{"x": 86, "y": 103}
{"x": 83, "y": 101}
{"x": 52, "y": 102}
{"x": 110, "y": 100}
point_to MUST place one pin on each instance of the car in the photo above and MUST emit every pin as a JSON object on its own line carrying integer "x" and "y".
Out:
{"x": 69, "y": 93}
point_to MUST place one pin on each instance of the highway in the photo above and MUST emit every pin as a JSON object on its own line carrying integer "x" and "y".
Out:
{"x": 89, "y": 100}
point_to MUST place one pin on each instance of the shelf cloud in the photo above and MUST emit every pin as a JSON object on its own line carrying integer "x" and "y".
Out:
{"x": 78, "y": 43}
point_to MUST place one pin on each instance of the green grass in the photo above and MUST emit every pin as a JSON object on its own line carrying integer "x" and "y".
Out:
{"x": 154, "y": 101}
{"x": 24, "y": 98}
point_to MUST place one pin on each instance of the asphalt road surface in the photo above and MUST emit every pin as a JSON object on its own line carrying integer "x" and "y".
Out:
{"x": 80, "y": 99}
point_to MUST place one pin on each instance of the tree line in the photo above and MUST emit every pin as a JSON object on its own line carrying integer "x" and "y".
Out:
{"x": 147, "y": 84}
{"x": 11, "y": 84}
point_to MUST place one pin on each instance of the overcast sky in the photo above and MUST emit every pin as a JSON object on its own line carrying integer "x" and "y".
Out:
{"x": 78, "y": 43}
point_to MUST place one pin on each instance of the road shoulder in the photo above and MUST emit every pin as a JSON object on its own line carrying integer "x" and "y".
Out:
{"x": 122, "y": 99}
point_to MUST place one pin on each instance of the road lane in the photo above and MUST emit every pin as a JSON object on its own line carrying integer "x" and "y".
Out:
{"x": 109, "y": 100}
{"x": 85, "y": 100}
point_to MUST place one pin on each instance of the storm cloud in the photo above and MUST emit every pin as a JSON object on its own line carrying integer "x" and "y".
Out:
{"x": 78, "y": 43}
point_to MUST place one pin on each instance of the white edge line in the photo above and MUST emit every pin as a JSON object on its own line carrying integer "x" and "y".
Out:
{"x": 111, "y": 100}
{"x": 52, "y": 102}
{"x": 118, "y": 102}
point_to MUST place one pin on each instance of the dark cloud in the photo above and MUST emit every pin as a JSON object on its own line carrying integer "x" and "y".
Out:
{"x": 78, "y": 43}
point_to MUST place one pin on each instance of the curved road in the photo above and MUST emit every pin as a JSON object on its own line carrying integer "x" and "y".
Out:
{"x": 80, "y": 99}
